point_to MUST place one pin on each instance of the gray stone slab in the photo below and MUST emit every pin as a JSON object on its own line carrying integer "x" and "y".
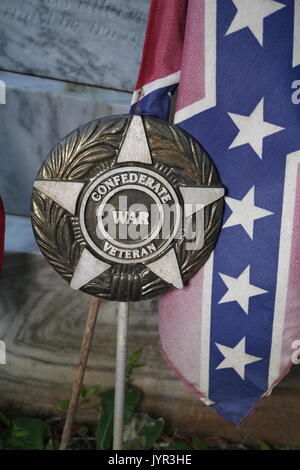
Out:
{"x": 19, "y": 237}
{"x": 39, "y": 112}
{"x": 89, "y": 41}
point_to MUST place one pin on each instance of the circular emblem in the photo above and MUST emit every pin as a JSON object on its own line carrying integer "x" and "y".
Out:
{"x": 127, "y": 207}
{"x": 124, "y": 214}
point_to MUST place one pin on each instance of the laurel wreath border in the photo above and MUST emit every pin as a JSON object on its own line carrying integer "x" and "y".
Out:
{"x": 92, "y": 149}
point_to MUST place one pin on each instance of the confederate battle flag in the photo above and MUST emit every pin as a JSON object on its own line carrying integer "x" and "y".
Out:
{"x": 232, "y": 69}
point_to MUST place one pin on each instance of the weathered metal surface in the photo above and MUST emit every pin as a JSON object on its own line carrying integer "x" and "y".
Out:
{"x": 127, "y": 207}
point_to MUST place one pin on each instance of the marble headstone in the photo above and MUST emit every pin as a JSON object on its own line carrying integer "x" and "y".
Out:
{"x": 38, "y": 112}
{"x": 95, "y": 42}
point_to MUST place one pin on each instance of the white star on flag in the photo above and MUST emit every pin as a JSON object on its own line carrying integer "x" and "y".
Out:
{"x": 236, "y": 357}
{"x": 251, "y": 14}
{"x": 245, "y": 212}
{"x": 253, "y": 129}
{"x": 240, "y": 289}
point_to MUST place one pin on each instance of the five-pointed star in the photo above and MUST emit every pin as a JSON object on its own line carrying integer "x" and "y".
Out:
{"x": 134, "y": 149}
{"x": 240, "y": 289}
{"x": 236, "y": 357}
{"x": 253, "y": 129}
{"x": 251, "y": 14}
{"x": 245, "y": 212}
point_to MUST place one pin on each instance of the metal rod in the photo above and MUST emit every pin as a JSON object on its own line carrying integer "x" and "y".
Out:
{"x": 80, "y": 370}
{"x": 121, "y": 354}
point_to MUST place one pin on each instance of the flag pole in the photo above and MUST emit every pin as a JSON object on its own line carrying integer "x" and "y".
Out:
{"x": 120, "y": 378}
{"x": 83, "y": 358}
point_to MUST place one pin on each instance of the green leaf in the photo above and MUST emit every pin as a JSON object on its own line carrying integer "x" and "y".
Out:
{"x": 55, "y": 444}
{"x": 21, "y": 433}
{"x": 63, "y": 406}
{"x": 180, "y": 445}
{"x": 83, "y": 431}
{"x": 133, "y": 362}
{"x": 198, "y": 444}
{"x": 104, "y": 430}
{"x": 133, "y": 397}
{"x": 29, "y": 434}
{"x": 91, "y": 391}
{"x": 278, "y": 447}
{"x": 52, "y": 445}
{"x": 264, "y": 446}
{"x": 151, "y": 432}
{"x": 129, "y": 447}
{"x": 83, "y": 391}
{"x": 135, "y": 356}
